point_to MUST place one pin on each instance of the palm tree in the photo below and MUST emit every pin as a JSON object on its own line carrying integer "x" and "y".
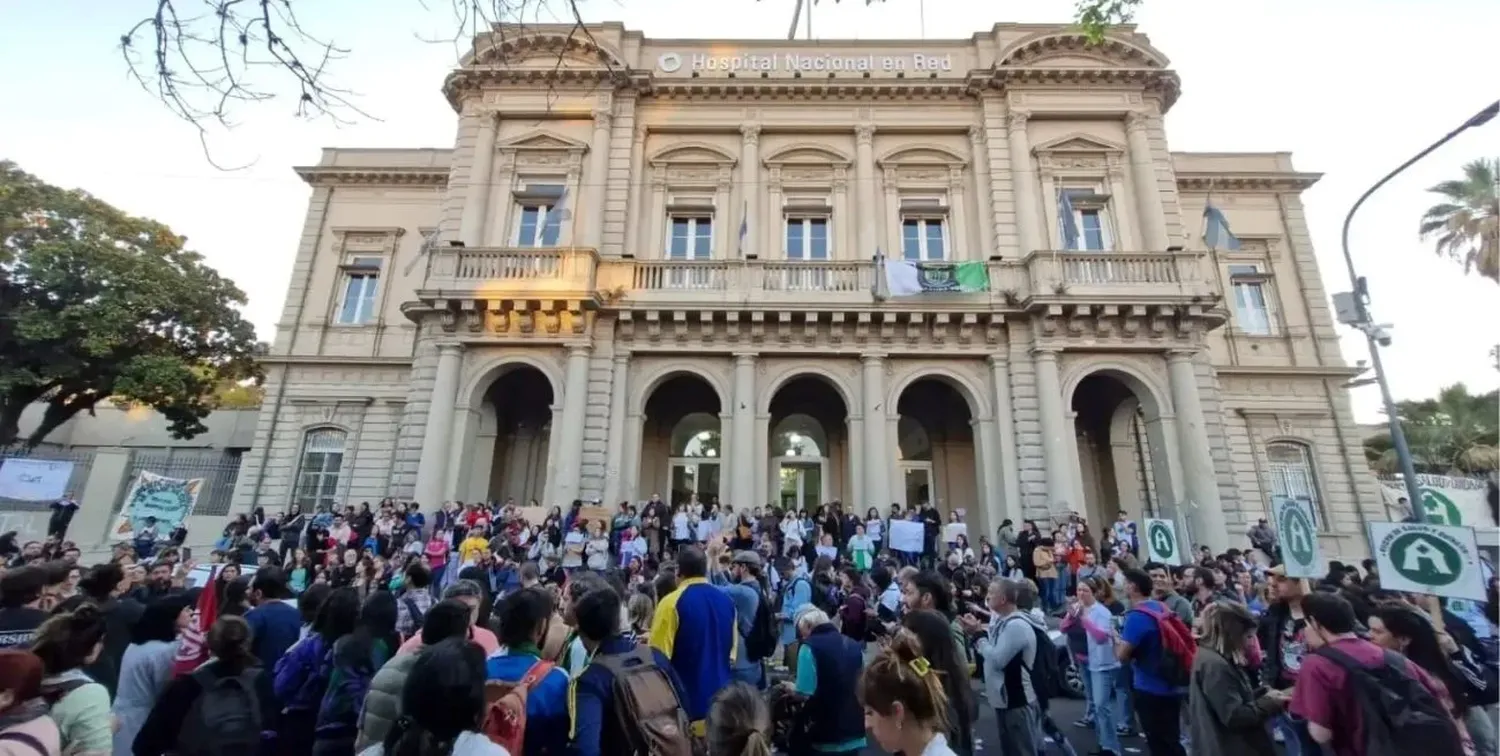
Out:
{"x": 1466, "y": 224}
{"x": 1457, "y": 433}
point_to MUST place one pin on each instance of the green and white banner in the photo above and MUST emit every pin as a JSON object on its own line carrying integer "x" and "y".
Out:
{"x": 1446, "y": 500}
{"x": 1441, "y": 560}
{"x": 905, "y": 278}
{"x": 1161, "y": 542}
{"x": 1300, "y": 551}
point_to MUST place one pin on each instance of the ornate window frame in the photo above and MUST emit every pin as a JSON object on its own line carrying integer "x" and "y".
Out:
{"x": 807, "y": 180}
{"x": 536, "y": 157}
{"x": 913, "y": 175}
{"x": 690, "y": 178}
{"x": 1081, "y": 160}
{"x": 363, "y": 242}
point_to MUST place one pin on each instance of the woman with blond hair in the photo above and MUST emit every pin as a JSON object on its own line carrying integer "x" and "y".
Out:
{"x": 739, "y": 722}
{"x": 1225, "y": 715}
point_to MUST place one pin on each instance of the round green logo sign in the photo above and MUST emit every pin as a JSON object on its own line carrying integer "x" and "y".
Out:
{"x": 1426, "y": 559}
{"x": 1297, "y": 535}
{"x": 1162, "y": 541}
{"x": 1438, "y": 509}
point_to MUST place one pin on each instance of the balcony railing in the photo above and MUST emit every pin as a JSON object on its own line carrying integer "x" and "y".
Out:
{"x": 1084, "y": 277}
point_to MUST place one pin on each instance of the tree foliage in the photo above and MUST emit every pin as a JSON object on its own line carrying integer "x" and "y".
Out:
{"x": 1465, "y": 225}
{"x": 96, "y": 303}
{"x": 1456, "y": 433}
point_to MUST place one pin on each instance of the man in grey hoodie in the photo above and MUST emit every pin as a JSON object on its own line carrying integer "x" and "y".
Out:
{"x": 1008, "y": 647}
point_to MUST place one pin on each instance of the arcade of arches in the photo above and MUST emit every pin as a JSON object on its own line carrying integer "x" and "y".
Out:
{"x": 680, "y": 433}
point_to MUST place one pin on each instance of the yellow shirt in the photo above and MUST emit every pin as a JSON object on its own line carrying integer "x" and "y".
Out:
{"x": 471, "y": 549}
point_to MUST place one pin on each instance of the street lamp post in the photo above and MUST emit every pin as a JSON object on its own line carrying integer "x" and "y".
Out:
{"x": 1354, "y": 309}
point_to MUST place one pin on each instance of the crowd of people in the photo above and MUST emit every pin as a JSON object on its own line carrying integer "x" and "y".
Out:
{"x": 490, "y": 629}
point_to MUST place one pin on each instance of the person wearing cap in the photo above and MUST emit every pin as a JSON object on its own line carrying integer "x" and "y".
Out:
{"x": 741, "y": 582}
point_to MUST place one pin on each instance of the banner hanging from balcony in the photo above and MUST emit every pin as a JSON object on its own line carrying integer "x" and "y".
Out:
{"x": 905, "y": 278}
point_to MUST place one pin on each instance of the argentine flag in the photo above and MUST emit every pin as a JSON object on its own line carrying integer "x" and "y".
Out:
{"x": 1216, "y": 230}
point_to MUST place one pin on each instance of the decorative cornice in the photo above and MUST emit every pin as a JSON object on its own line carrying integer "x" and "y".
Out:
{"x": 1291, "y": 371}
{"x": 807, "y": 88}
{"x": 334, "y": 175}
{"x": 1248, "y": 181}
{"x": 1159, "y": 82}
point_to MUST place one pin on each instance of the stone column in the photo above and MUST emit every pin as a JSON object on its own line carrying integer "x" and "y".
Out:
{"x": 864, "y": 192}
{"x": 1056, "y": 436}
{"x": 635, "y": 222}
{"x": 1202, "y": 509}
{"x": 630, "y": 464}
{"x": 750, "y": 194}
{"x": 1024, "y": 185}
{"x": 481, "y": 176}
{"x": 742, "y": 452}
{"x": 1153, "y": 214}
{"x": 433, "y": 464}
{"x": 596, "y": 179}
{"x": 653, "y": 247}
{"x": 1005, "y": 433}
{"x": 877, "y": 461}
{"x": 567, "y": 454}
{"x": 614, "y": 447}
{"x": 984, "y": 231}
{"x": 959, "y": 242}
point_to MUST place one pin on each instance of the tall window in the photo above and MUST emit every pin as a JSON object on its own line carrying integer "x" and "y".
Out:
{"x": 318, "y": 470}
{"x": 807, "y": 238}
{"x": 361, "y": 286}
{"x": 1091, "y": 219}
{"x": 691, "y": 237}
{"x": 540, "y": 216}
{"x": 1289, "y": 466}
{"x": 924, "y": 238}
{"x": 1252, "y": 310}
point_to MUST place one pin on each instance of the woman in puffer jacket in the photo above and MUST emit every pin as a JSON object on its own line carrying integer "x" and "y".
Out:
{"x": 446, "y": 619}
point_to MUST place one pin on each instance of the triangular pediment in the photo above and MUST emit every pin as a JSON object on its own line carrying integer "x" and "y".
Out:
{"x": 1079, "y": 142}
{"x": 542, "y": 140}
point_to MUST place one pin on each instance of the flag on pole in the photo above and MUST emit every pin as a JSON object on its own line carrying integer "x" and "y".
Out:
{"x": 744, "y": 226}
{"x": 904, "y": 278}
{"x": 556, "y": 214}
{"x": 1068, "y": 222}
{"x": 1216, "y": 232}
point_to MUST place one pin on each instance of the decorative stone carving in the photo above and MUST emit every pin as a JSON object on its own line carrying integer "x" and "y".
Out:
{"x": 1136, "y": 121}
{"x": 840, "y": 179}
{"x": 976, "y": 135}
{"x": 603, "y": 119}
{"x": 751, "y": 134}
{"x": 639, "y": 135}
{"x": 864, "y": 134}
{"x": 1016, "y": 120}
{"x": 687, "y": 175}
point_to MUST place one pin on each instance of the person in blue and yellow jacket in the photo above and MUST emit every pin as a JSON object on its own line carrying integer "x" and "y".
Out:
{"x": 695, "y": 627}
{"x": 524, "y": 617}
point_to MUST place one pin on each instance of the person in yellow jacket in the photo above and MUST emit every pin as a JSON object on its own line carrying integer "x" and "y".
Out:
{"x": 474, "y": 547}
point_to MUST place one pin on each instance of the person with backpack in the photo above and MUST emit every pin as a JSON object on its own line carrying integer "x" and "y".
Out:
{"x": 351, "y": 664}
{"x": 1161, "y": 649}
{"x": 1363, "y": 700}
{"x": 528, "y": 713}
{"x": 695, "y": 627}
{"x": 1007, "y": 646}
{"x": 23, "y": 716}
{"x": 796, "y": 592}
{"x": 444, "y": 702}
{"x": 627, "y": 700}
{"x": 219, "y": 709}
{"x": 382, "y": 708}
{"x": 66, "y": 643}
{"x": 416, "y": 598}
{"x": 302, "y": 674}
{"x": 829, "y": 665}
{"x": 754, "y": 620}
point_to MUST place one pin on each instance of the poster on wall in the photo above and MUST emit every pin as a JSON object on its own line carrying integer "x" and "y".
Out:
{"x": 34, "y": 479}
{"x": 169, "y": 500}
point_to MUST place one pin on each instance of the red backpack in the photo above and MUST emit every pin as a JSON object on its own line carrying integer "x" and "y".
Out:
{"x": 505, "y": 708}
{"x": 1174, "y": 665}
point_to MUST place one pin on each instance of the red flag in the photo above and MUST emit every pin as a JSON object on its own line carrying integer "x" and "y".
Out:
{"x": 192, "y": 650}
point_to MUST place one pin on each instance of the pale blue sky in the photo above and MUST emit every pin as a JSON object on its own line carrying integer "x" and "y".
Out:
{"x": 1350, "y": 87}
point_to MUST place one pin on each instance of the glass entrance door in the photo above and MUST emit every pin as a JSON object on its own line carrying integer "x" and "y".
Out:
{"x": 694, "y": 476}
{"x": 801, "y": 485}
{"x": 918, "y": 487}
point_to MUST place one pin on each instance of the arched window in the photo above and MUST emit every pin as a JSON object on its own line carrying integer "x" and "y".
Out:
{"x": 799, "y": 436}
{"x": 318, "y": 470}
{"x": 696, "y": 435}
{"x": 1289, "y": 465}
{"x": 913, "y": 440}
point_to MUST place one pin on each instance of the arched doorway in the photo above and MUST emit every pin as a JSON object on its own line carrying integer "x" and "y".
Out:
{"x": 681, "y": 441}
{"x": 935, "y": 449}
{"x": 807, "y": 444}
{"x": 1115, "y": 450}
{"x": 514, "y": 434}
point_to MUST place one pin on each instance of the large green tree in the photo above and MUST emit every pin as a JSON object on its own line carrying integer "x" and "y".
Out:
{"x": 1465, "y": 225}
{"x": 98, "y": 304}
{"x": 1456, "y": 433}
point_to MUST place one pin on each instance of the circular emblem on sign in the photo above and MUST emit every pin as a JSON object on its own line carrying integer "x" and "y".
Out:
{"x": 1297, "y": 535}
{"x": 1425, "y": 559}
{"x": 1162, "y": 541}
{"x": 1439, "y": 509}
{"x": 669, "y": 62}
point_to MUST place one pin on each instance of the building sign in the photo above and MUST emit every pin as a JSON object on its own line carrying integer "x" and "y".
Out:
{"x": 1441, "y": 560}
{"x": 799, "y": 63}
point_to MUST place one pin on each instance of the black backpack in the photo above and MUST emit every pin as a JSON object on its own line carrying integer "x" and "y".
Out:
{"x": 413, "y": 611}
{"x": 761, "y": 642}
{"x": 1400, "y": 716}
{"x": 1046, "y": 674}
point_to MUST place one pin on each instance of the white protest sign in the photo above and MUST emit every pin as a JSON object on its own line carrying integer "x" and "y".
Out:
{"x": 1441, "y": 560}
{"x": 1161, "y": 542}
{"x": 34, "y": 479}
{"x": 1299, "y": 537}
{"x": 906, "y": 536}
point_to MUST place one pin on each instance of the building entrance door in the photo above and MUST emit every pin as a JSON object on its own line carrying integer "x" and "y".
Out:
{"x": 694, "y": 476}
{"x": 801, "y": 484}
{"x": 918, "y": 485}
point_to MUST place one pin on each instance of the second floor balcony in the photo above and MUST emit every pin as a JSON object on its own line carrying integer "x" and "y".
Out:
{"x": 1039, "y": 279}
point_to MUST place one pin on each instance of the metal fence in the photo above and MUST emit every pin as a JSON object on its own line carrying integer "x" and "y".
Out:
{"x": 82, "y": 459}
{"x": 218, "y": 469}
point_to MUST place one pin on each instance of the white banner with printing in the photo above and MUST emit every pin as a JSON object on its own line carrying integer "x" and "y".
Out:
{"x": 34, "y": 479}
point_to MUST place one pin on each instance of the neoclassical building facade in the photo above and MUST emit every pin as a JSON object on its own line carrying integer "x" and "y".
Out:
{"x": 649, "y": 266}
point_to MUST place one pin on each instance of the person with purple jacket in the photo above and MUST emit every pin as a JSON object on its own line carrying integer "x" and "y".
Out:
{"x": 302, "y": 675}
